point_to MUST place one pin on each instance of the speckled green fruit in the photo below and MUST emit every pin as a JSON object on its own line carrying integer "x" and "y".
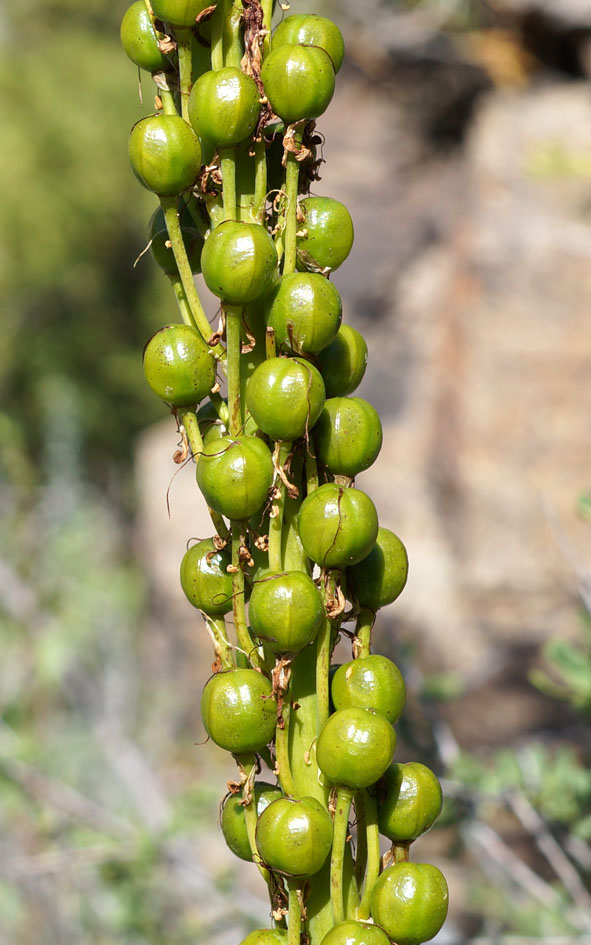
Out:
{"x": 286, "y": 611}
{"x": 337, "y": 526}
{"x": 224, "y": 106}
{"x": 178, "y": 366}
{"x": 179, "y": 12}
{"x": 355, "y": 933}
{"x": 299, "y": 81}
{"x": 305, "y": 312}
{"x": 205, "y": 579}
{"x": 370, "y": 682}
{"x": 238, "y": 710}
{"x": 381, "y": 576}
{"x": 327, "y": 231}
{"x": 139, "y": 39}
{"x": 233, "y": 821}
{"x": 355, "y": 747}
{"x": 412, "y": 802}
{"x": 160, "y": 245}
{"x": 165, "y": 154}
{"x": 409, "y": 901}
{"x": 285, "y": 397}
{"x": 235, "y": 475}
{"x": 348, "y": 435}
{"x": 266, "y": 937}
{"x": 294, "y": 837}
{"x": 308, "y": 29}
{"x": 343, "y": 362}
{"x": 239, "y": 262}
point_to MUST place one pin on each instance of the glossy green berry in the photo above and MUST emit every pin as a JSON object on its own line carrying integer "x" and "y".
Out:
{"x": 308, "y": 29}
{"x": 178, "y": 366}
{"x": 286, "y": 611}
{"x": 355, "y": 933}
{"x": 381, "y": 576}
{"x": 337, "y": 526}
{"x": 224, "y": 106}
{"x": 235, "y": 475}
{"x": 299, "y": 81}
{"x": 239, "y": 262}
{"x": 343, "y": 362}
{"x": 233, "y": 821}
{"x": 355, "y": 747}
{"x": 294, "y": 837}
{"x": 165, "y": 154}
{"x": 285, "y": 396}
{"x": 160, "y": 245}
{"x": 265, "y": 937}
{"x": 305, "y": 312}
{"x": 327, "y": 234}
{"x": 179, "y": 12}
{"x": 371, "y": 682}
{"x": 205, "y": 579}
{"x": 412, "y": 803}
{"x": 139, "y": 39}
{"x": 409, "y": 901}
{"x": 348, "y": 435}
{"x": 238, "y": 710}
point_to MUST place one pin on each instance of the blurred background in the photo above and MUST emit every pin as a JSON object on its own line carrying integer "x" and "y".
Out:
{"x": 460, "y": 140}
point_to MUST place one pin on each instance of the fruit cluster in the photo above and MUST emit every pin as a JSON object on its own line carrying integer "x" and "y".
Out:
{"x": 298, "y": 552}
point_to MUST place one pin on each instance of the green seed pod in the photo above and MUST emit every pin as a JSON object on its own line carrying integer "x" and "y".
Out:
{"x": 370, "y": 682}
{"x": 348, "y": 435}
{"x": 412, "y": 804}
{"x": 239, "y": 262}
{"x": 343, "y": 362}
{"x": 328, "y": 230}
{"x": 379, "y": 578}
{"x": 409, "y": 901}
{"x": 139, "y": 39}
{"x": 178, "y": 366}
{"x": 294, "y": 837}
{"x": 285, "y": 397}
{"x": 235, "y": 476}
{"x": 355, "y": 933}
{"x": 224, "y": 107}
{"x": 355, "y": 747}
{"x": 308, "y": 29}
{"x": 286, "y": 611}
{"x": 299, "y": 82}
{"x": 265, "y": 937}
{"x": 305, "y": 312}
{"x": 337, "y": 525}
{"x": 238, "y": 710}
{"x": 161, "y": 248}
{"x": 205, "y": 579}
{"x": 233, "y": 821}
{"x": 179, "y": 12}
{"x": 165, "y": 154}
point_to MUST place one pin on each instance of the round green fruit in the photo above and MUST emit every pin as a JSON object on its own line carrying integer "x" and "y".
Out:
{"x": 294, "y": 837}
{"x": 412, "y": 803}
{"x": 235, "y": 475}
{"x": 286, "y": 611}
{"x": 328, "y": 234}
{"x": 285, "y": 397}
{"x": 355, "y": 933}
{"x": 139, "y": 39}
{"x": 343, "y": 362}
{"x": 205, "y": 579}
{"x": 165, "y": 154}
{"x": 370, "y": 682}
{"x": 379, "y": 578}
{"x": 355, "y": 747}
{"x": 160, "y": 245}
{"x": 348, "y": 435}
{"x": 178, "y": 366}
{"x": 409, "y": 901}
{"x": 337, "y": 526}
{"x": 239, "y": 262}
{"x": 266, "y": 937}
{"x": 239, "y": 711}
{"x": 305, "y": 312}
{"x": 308, "y": 29}
{"x": 299, "y": 82}
{"x": 233, "y": 821}
{"x": 179, "y": 12}
{"x": 224, "y": 107}
{"x": 210, "y": 425}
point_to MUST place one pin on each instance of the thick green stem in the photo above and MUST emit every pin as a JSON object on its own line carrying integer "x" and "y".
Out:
{"x": 260, "y": 182}
{"x": 294, "y": 918}
{"x": 311, "y": 469}
{"x": 292, "y": 172}
{"x": 168, "y": 102}
{"x": 184, "y": 39}
{"x": 280, "y": 455}
{"x": 282, "y": 745}
{"x": 217, "y": 35}
{"x": 228, "y": 166}
{"x": 223, "y": 650}
{"x": 188, "y": 418}
{"x": 372, "y": 833}
{"x": 361, "y": 850}
{"x": 233, "y": 48}
{"x": 233, "y": 316}
{"x": 184, "y": 308}
{"x": 267, "y": 8}
{"x": 363, "y": 628}
{"x": 341, "y": 828}
{"x": 324, "y": 644}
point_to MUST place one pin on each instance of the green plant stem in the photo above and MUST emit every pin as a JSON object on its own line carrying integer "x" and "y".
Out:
{"x": 245, "y": 641}
{"x": 195, "y": 208}
{"x": 361, "y": 851}
{"x": 222, "y": 648}
{"x": 372, "y": 834}
{"x": 260, "y": 182}
{"x": 292, "y": 172}
{"x": 311, "y": 469}
{"x": 341, "y": 826}
{"x": 246, "y": 764}
{"x": 184, "y": 308}
{"x": 233, "y": 317}
{"x": 168, "y": 102}
{"x": 270, "y": 345}
{"x": 188, "y": 418}
{"x": 276, "y": 521}
{"x": 267, "y": 8}
{"x": 400, "y": 852}
{"x": 217, "y": 35}
{"x": 184, "y": 38}
{"x": 324, "y": 645}
{"x": 294, "y": 917}
{"x": 221, "y": 407}
{"x": 233, "y": 48}
{"x": 363, "y": 628}
{"x": 228, "y": 166}
{"x": 282, "y": 746}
